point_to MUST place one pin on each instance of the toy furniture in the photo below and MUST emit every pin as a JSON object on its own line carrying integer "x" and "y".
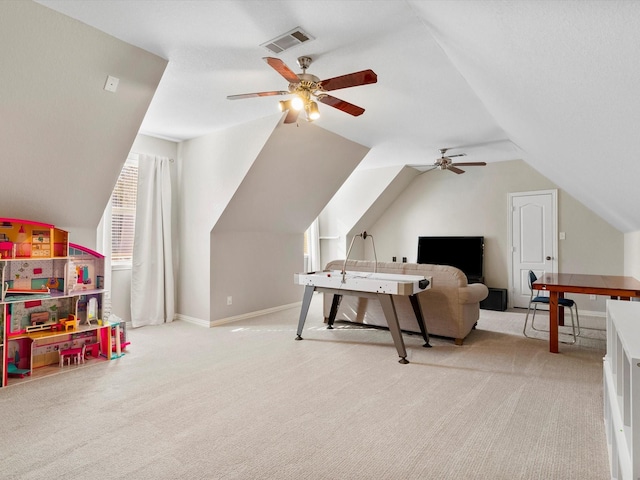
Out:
{"x": 14, "y": 371}
{"x": 92, "y": 349}
{"x": 92, "y": 311}
{"x": 6, "y": 249}
{"x": 76, "y": 353}
{"x": 40, "y": 276}
{"x": 71, "y": 323}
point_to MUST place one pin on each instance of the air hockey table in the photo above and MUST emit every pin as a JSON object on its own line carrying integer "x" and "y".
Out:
{"x": 383, "y": 286}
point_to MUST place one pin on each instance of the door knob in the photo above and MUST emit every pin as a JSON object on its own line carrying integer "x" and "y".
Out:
{"x": 548, "y": 258}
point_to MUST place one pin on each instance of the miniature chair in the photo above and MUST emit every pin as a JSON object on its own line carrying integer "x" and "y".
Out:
{"x": 542, "y": 300}
{"x": 71, "y": 323}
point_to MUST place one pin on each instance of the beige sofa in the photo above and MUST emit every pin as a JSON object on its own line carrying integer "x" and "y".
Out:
{"x": 451, "y": 307}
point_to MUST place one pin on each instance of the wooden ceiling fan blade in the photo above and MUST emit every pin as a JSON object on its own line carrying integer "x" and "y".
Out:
{"x": 470, "y": 164}
{"x": 455, "y": 169}
{"x": 292, "y": 116}
{"x": 257, "y": 94}
{"x": 280, "y": 67}
{"x": 457, "y": 155}
{"x": 346, "y": 107}
{"x": 355, "y": 79}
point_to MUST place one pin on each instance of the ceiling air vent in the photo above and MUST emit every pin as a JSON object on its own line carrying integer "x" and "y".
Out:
{"x": 288, "y": 40}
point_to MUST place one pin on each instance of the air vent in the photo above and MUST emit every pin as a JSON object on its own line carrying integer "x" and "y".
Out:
{"x": 288, "y": 40}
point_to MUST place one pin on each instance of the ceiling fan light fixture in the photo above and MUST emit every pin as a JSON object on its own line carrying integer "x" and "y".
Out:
{"x": 297, "y": 103}
{"x": 313, "y": 113}
{"x": 305, "y": 88}
{"x": 284, "y": 105}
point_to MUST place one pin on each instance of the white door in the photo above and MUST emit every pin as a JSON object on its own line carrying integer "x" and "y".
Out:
{"x": 533, "y": 225}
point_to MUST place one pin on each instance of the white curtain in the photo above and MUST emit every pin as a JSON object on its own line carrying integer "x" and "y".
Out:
{"x": 152, "y": 277}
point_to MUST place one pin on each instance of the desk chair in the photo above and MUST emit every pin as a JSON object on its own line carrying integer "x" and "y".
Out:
{"x": 542, "y": 300}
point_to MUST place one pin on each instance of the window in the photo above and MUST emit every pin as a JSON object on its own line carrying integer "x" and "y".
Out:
{"x": 312, "y": 248}
{"x": 123, "y": 212}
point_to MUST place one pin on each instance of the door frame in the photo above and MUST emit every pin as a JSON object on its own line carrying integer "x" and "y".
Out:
{"x": 553, "y": 233}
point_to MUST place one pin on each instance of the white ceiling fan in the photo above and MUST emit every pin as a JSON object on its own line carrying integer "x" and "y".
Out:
{"x": 445, "y": 163}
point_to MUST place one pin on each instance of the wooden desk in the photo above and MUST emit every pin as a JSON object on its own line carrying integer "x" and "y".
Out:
{"x": 557, "y": 284}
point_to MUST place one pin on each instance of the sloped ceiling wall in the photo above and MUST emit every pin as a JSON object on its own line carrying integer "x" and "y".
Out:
{"x": 211, "y": 169}
{"x": 63, "y": 137}
{"x": 257, "y": 244}
{"x": 356, "y": 207}
{"x": 561, "y": 78}
{"x": 292, "y": 179}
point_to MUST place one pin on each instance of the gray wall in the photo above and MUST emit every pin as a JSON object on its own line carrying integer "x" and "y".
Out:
{"x": 64, "y": 138}
{"x": 211, "y": 169}
{"x": 476, "y": 203}
{"x": 247, "y": 194}
{"x": 260, "y": 235}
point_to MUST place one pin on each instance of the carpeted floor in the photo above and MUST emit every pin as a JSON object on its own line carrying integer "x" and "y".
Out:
{"x": 246, "y": 401}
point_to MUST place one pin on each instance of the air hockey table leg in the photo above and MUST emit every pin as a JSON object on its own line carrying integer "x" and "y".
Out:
{"x": 389, "y": 310}
{"x": 417, "y": 310}
{"x": 306, "y": 301}
{"x": 335, "y": 304}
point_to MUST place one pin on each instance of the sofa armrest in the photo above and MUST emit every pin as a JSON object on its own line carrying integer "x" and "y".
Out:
{"x": 474, "y": 293}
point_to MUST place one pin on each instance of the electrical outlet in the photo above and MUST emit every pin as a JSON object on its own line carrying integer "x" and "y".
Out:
{"x": 592, "y": 297}
{"x": 229, "y": 300}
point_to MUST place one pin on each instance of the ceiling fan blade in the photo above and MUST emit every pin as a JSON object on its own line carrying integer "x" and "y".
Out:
{"x": 280, "y": 67}
{"x": 346, "y": 107}
{"x": 364, "y": 77}
{"x": 457, "y": 155}
{"x": 455, "y": 169}
{"x": 470, "y": 164}
{"x": 292, "y": 116}
{"x": 257, "y": 94}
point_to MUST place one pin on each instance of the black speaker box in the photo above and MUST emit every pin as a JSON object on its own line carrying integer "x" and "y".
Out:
{"x": 497, "y": 300}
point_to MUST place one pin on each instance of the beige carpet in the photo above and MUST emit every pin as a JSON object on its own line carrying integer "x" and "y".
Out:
{"x": 247, "y": 401}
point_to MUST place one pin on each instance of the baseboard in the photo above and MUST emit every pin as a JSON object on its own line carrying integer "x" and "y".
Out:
{"x": 236, "y": 318}
{"x": 196, "y": 321}
{"x": 587, "y": 313}
{"x": 244, "y": 316}
{"x": 581, "y": 312}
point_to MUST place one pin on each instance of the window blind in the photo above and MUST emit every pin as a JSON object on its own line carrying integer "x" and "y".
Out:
{"x": 123, "y": 213}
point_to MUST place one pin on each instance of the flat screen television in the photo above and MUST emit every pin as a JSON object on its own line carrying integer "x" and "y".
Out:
{"x": 465, "y": 253}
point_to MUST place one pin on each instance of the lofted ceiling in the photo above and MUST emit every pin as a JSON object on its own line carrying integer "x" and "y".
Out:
{"x": 551, "y": 82}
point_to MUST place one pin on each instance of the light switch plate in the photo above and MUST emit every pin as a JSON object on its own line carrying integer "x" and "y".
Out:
{"x": 111, "y": 84}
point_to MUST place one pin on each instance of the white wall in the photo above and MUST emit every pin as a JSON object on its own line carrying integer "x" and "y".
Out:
{"x": 355, "y": 207}
{"x": 632, "y": 254}
{"x": 260, "y": 235}
{"x": 64, "y": 138}
{"x": 476, "y": 203}
{"x": 255, "y": 269}
{"x": 211, "y": 168}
